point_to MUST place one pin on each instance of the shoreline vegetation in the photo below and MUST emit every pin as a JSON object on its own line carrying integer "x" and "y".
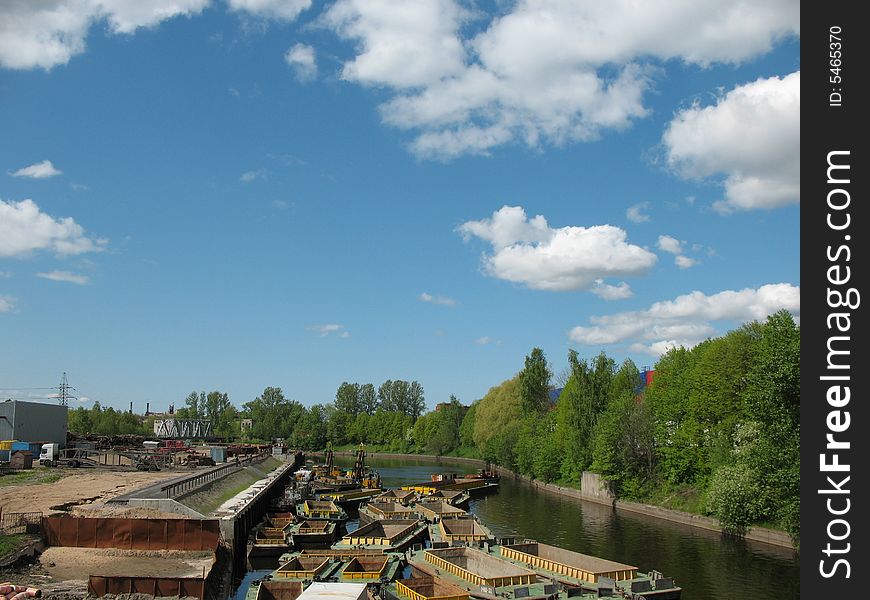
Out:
{"x": 711, "y": 431}
{"x": 765, "y": 535}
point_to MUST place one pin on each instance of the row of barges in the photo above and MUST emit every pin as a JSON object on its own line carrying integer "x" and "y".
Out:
{"x": 419, "y": 543}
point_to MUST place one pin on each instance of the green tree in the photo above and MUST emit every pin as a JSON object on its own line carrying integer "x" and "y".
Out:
{"x": 535, "y": 382}
{"x": 368, "y": 398}
{"x": 347, "y": 398}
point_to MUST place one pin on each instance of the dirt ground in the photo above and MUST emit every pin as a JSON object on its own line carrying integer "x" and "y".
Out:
{"x": 80, "y": 486}
{"x": 63, "y": 564}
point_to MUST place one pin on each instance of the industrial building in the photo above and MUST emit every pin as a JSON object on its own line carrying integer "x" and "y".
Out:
{"x": 33, "y": 422}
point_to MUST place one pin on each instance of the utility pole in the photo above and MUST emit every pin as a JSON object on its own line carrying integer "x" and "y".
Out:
{"x": 65, "y": 395}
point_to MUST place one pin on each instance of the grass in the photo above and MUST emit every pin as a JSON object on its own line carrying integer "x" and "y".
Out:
{"x": 31, "y": 477}
{"x": 682, "y": 498}
{"x": 9, "y": 543}
{"x": 212, "y": 496}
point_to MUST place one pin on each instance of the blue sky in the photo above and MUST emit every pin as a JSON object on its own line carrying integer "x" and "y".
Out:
{"x": 200, "y": 195}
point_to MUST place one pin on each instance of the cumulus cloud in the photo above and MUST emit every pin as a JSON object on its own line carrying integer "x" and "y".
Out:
{"x": 750, "y": 137}
{"x": 530, "y": 252}
{"x": 635, "y": 213}
{"x": 286, "y": 10}
{"x": 24, "y": 228}
{"x": 249, "y": 176}
{"x": 684, "y": 262}
{"x": 611, "y": 292}
{"x": 302, "y": 60}
{"x": 47, "y": 33}
{"x": 7, "y": 303}
{"x": 670, "y": 244}
{"x": 542, "y": 72}
{"x": 65, "y": 276}
{"x": 486, "y": 340}
{"x": 687, "y": 320}
{"x": 329, "y": 328}
{"x": 41, "y": 170}
{"x": 444, "y": 300}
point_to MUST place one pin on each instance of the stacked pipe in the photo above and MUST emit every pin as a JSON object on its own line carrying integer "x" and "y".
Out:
{"x": 8, "y": 591}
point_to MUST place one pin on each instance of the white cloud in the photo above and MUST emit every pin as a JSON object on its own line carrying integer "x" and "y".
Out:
{"x": 542, "y": 72}
{"x": 635, "y": 213}
{"x": 751, "y": 136}
{"x": 24, "y": 229}
{"x": 47, "y": 33}
{"x": 670, "y": 244}
{"x": 65, "y": 276}
{"x": 249, "y": 176}
{"x": 686, "y": 320}
{"x": 286, "y": 10}
{"x": 483, "y": 341}
{"x": 444, "y": 300}
{"x": 684, "y": 262}
{"x": 530, "y": 252}
{"x": 302, "y": 59}
{"x": 7, "y": 303}
{"x": 329, "y": 328}
{"x": 611, "y": 292}
{"x": 41, "y": 170}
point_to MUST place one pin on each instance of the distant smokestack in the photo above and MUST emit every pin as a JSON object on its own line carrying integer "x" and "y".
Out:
{"x": 131, "y": 407}
{"x": 147, "y": 408}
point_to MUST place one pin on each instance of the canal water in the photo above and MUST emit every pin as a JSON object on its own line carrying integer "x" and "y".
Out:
{"x": 707, "y": 566}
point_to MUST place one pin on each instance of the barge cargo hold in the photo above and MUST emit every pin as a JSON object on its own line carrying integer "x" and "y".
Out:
{"x": 433, "y": 511}
{"x": 312, "y": 534}
{"x": 575, "y": 570}
{"x": 477, "y": 567}
{"x": 427, "y": 588}
{"x": 395, "y": 535}
{"x": 320, "y": 510}
{"x": 457, "y": 498}
{"x": 385, "y": 511}
{"x": 447, "y": 532}
{"x": 405, "y": 497}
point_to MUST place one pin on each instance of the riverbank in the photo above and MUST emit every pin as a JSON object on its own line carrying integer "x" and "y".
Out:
{"x": 755, "y": 534}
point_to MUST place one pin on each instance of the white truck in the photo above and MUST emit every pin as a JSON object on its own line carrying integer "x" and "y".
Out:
{"x": 49, "y": 455}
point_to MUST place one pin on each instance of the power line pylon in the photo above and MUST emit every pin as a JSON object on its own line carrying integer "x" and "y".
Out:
{"x": 65, "y": 394}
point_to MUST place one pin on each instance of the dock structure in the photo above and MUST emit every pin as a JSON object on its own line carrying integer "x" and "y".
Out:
{"x": 566, "y": 562}
{"x": 478, "y": 567}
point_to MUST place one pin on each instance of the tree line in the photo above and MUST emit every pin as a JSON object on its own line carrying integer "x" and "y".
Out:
{"x": 717, "y": 430}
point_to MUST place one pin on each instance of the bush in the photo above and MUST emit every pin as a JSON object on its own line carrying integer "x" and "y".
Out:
{"x": 733, "y": 498}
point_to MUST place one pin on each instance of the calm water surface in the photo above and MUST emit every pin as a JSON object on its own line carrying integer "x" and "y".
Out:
{"x": 703, "y": 563}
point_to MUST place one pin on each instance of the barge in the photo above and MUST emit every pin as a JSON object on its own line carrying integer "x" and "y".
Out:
{"x": 385, "y": 511}
{"x": 395, "y": 535}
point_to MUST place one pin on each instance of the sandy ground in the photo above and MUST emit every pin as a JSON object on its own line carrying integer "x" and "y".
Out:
{"x": 71, "y": 563}
{"x": 82, "y": 486}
